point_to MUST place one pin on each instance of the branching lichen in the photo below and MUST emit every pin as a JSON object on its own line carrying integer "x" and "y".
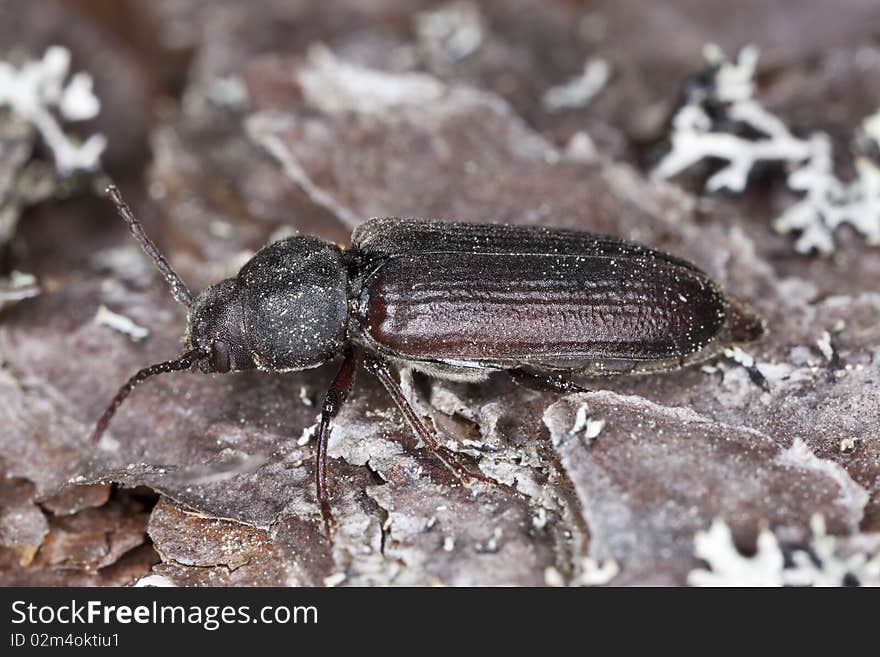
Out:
{"x": 829, "y": 202}
{"x": 720, "y": 120}
{"x": 825, "y": 561}
{"x": 36, "y": 91}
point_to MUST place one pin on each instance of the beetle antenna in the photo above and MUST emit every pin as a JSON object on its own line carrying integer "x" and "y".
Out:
{"x": 182, "y": 363}
{"x": 178, "y": 287}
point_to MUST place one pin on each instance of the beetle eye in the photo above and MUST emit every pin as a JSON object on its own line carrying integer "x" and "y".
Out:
{"x": 219, "y": 357}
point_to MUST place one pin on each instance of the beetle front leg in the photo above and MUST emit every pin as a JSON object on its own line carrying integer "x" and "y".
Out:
{"x": 333, "y": 400}
{"x": 450, "y": 459}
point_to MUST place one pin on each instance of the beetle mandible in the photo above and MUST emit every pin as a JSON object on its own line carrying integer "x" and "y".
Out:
{"x": 454, "y": 300}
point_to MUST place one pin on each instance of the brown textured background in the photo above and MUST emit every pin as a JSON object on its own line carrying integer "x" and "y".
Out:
{"x": 469, "y": 141}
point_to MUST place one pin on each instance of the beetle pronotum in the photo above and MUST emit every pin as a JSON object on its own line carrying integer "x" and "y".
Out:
{"x": 454, "y": 300}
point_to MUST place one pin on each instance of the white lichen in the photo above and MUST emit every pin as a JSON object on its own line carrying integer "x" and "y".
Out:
{"x": 596, "y": 574}
{"x": 17, "y": 287}
{"x": 154, "y": 580}
{"x": 826, "y": 566}
{"x": 593, "y": 429}
{"x": 825, "y": 346}
{"x": 827, "y": 201}
{"x": 450, "y": 32}
{"x": 728, "y": 567}
{"x": 721, "y": 120}
{"x": 580, "y": 419}
{"x": 824, "y": 561}
{"x": 334, "y": 580}
{"x": 580, "y": 90}
{"x": 848, "y": 444}
{"x": 36, "y": 91}
{"x": 539, "y": 518}
{"x": 490, "y": 545}
{"x": 552, "y": 577}
{"x": 698, "y": 136}
{"x": 586, "y": 425}
{"x": 308, "y": 433}
{"x": 229, "y": 91}
{"x": 741, "y": 356}
{"x": 336, "y": 86}
{"x": 581, "y": 149}
{"x": 121, "y": 323}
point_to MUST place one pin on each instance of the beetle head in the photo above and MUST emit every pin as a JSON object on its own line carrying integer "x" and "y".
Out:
{"x": 214, "y": 333}
{"x": 215, "y": 329}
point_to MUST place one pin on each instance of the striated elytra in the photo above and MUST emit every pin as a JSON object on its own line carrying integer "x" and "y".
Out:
{"x": 455, "y": 300}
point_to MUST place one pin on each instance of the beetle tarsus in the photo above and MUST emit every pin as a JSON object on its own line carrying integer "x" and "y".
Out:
{"x": 333, "y": 400}
{"x": 456, "y": 463}
{"x": 450, "y": 459}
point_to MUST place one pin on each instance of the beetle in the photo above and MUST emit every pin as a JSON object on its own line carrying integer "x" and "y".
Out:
{"x": 454, "y": 300}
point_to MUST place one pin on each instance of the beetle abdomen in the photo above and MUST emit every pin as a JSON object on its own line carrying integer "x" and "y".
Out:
{"x": 538, "y": 308}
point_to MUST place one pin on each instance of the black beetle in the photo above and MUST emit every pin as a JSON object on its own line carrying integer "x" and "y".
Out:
{"x": 455, "y": 300}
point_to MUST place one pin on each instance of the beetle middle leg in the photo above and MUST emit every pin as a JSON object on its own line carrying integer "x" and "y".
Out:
{"x": 450, "y": 459}
{"x": 545, "y": 382}
{"x": 333, "y": 400}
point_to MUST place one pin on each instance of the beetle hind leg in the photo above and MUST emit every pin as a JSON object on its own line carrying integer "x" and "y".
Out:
{"x": 450, "y": 459}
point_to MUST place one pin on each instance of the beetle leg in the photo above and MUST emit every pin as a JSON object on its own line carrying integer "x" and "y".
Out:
{"x": 333, "y": 401}
{"x": 450, "y": 459}
{"x": 544, "y": 382}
